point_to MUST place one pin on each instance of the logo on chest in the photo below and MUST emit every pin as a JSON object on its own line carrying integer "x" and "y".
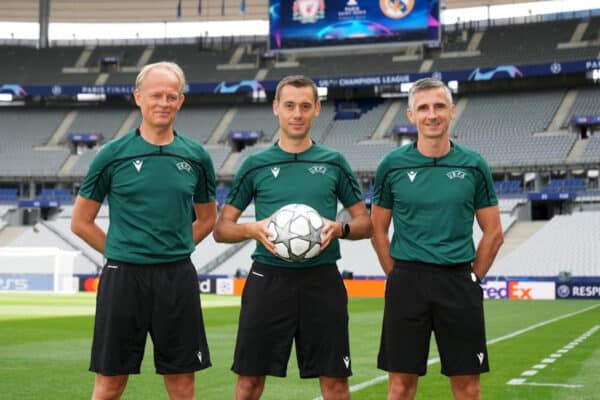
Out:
{"x": 318, "y": 169}
{"x": 138, "y": 165}
{"x": 275, "y": 171}
{"x": 456, "y": 174}
{"x": 183, "y": 166}
{"x": 411, "y": 175}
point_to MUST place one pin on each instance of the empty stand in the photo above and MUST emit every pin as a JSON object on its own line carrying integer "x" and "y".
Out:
{"x": 587, "y": 102}
{"x": 565, "y": 243}
{"x": 501, "y": 127}
{"x": 23, "y": 133}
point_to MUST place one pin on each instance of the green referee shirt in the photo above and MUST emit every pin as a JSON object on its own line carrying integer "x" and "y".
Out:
{"x": 151, "y": 191}
{"x": 433, "y": 202}
{"x": 317, "y": 177}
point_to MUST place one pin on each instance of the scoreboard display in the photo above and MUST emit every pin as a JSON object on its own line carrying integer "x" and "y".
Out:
{"x": 297, "y": 24}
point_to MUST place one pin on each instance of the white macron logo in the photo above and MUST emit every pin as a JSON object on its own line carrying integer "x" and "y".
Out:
{"x": 411, "y": 175}
{"x": 275, "y": 171}
{"x": 199, "y": 356}
{"x": 347, "y": 361}
{"x": 480, "y": 357}
{"x": 138, "y": 165}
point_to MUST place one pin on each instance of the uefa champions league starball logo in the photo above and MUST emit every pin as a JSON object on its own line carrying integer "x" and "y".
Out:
{"x": 308, "y": 11}
{"x": 396, "y": 8}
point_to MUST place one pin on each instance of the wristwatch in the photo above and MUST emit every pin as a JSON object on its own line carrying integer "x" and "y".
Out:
{"x": 345, "y": 229}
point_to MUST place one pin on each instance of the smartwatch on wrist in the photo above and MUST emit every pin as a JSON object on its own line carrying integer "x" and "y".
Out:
{"x": 345, "y": 230}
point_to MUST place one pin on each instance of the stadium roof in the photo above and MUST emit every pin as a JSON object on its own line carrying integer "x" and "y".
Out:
{"x": 165, "y": 11}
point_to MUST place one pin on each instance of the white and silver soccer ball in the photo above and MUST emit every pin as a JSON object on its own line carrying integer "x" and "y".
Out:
{"x": 296, "y": 231}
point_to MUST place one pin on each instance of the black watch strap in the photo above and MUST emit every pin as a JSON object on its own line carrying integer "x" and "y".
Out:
{"x": 345, "y": 229}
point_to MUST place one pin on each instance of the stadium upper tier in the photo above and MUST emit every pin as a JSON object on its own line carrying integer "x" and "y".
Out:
{"x": 231, "y": 59}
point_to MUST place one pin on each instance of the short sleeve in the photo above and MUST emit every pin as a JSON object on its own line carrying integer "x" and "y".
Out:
{"x": 348, "y": 188}
{"x": 242, "y": 188}
{"x": 96, "y": 184}
{"x": 485, "y": 195}
{"x": 382, "y": 195}
{"x": 206, "y": 188}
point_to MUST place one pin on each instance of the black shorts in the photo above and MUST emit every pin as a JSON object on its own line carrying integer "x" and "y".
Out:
{"x": 162, "y": 300}
{"x": 279, "y": 305}
{"x": 421, "y": 298}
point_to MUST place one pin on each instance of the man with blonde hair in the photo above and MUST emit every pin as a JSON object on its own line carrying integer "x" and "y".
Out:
{"x": 156, "y": 181}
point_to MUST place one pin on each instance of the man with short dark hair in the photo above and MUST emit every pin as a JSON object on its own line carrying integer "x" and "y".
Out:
{"x": 432, "y": 189}
{"x": 285, "y": 301}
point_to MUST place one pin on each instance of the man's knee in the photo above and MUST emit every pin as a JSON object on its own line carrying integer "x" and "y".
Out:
{"x": 402, "y": 386}
{"x": 109, "y": 387}
{"x": 334, "y": 388}
{"x": 249, "y": 387}
{"x": 466, "y": 387}
{"x": 180, "y": 386}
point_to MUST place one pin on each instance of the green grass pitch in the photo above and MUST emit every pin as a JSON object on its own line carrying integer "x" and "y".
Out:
{"x": 551, "y": 349}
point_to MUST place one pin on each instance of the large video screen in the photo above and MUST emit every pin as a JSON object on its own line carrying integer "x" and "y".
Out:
{"x": 296, "y": 24}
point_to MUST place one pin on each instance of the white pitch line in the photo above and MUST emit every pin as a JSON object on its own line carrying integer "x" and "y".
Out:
{"x": 546, "y": 361}
{"x": 562, "y": 385}
{"x": 381, "y": 378}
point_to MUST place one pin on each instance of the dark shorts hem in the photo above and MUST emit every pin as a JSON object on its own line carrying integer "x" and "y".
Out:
{"x": 112, "y": 373}
{"x": 479, "y": 372}
{"x": 280, "y": 374}
{"x": 184, "y": 371}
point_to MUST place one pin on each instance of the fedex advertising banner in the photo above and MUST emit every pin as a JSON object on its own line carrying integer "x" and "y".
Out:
{"x": 519, "y": 290}
{"x": 495, "y": 290}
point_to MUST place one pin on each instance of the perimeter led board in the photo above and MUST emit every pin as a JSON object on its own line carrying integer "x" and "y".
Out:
{"x": 297, "y": 24}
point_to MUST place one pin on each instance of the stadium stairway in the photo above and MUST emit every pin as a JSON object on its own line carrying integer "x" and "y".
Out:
{"x": 579, "y": 31}
{"x": 63, "y": 128}
{"x": 129, "y": 123}
{"x": 229, "y": 165}
{"x": 576, "y": 151}
{"x": 68, "y": 165}
{"x": 10, "y": 233}
{"x": 386, "y": 122}
{"x": 518, "y": 233}
{"x": 222, "y": 126}
{"x": 563, "y": 111}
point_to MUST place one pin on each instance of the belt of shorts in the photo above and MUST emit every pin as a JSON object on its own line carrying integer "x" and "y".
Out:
{"x": 402, "y": 264}
{"x": 293, "y": 270}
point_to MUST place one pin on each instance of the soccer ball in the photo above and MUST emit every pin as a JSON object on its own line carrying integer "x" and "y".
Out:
{"x": 296, "y": 231}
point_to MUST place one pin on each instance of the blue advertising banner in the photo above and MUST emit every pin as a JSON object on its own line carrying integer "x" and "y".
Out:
{"x": 578, "y": 291}
{"x": 256, "y": 87}
{"x": 26, "y": 282}
{"x": 551, "y": 196}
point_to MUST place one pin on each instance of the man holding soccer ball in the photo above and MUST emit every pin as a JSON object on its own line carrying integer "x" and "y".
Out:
{"x": 284, "y": 300}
